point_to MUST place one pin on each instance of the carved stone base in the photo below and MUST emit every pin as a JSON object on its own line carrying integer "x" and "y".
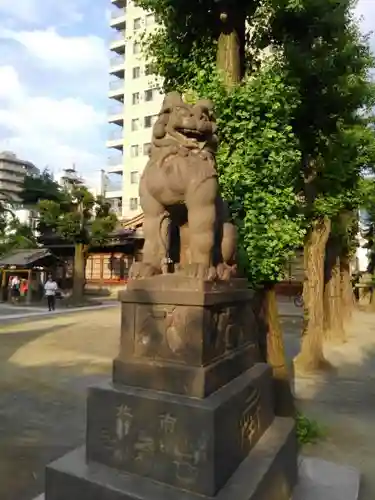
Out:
{"x": 189, "y": 443}
{"x": 189, "y": 412}
{"x": 268, "y": 473}
{"x": 185, "y": 336}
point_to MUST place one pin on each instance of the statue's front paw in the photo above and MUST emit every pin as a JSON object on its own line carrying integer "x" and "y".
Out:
{"x": 226, "y": 272}
{"x": 143, "y": 270}
{"x": 200, "y": 271}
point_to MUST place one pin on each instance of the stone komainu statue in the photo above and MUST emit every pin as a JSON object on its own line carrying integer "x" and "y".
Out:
{"x": 185, "y": 219}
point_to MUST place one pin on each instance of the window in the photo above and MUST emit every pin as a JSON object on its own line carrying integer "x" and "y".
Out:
{"x": 146, "y": 148}
{"x": 136, "y": 72}
{"x": 150, "y": 120}
{"x": 150, "y": 19}
{"x": 134, "y": 150}
{"x": 135, "y": 124}
{"x": 136, "y": 48}
{"x": 135, "y": 98}
{"x": 137, "y": 23}
{"x": 149, "y": 95}
{"x": 149, "y": 70}
{"x": 134, "y": 177}
{"x": 133, "y": 203}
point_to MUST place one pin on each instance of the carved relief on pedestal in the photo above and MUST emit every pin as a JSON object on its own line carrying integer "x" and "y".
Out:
{"x": 225, "y": 329}
{"x": 165, "y": 331}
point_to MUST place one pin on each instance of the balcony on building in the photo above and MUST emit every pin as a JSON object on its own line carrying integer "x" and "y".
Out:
{"x": 116, "y": 139}
{"x": 115, "y": 165}
{"x": 116, "y": 114}
{"x": 117, "y": 43}
{"x": 117, "y": 89}
{"x": 113, "y": 193}
{"x": 118, "y": 18}
{"x": 117, "y": 65}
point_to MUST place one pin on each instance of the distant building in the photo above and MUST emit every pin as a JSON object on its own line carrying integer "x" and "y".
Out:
{"x": 12, "y": 174}
{"x": 361, "y": 259}
{"x": 69, "y": 178}
{"x": 135, "y": 104}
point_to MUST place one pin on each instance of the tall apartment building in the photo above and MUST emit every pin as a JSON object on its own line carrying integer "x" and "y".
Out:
{"x": 12, "y": 174}
{"x": 135, "y": 103}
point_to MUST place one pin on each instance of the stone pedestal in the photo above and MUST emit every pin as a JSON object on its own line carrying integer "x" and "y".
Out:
{"x": 189, "y": 412}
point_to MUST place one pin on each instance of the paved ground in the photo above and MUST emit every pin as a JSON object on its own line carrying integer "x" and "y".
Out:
{"x": 343, "y": 403}
{"x": 6, "y": 310}
{"x": 14, "y": 313}
{"x": 46, "y": 366}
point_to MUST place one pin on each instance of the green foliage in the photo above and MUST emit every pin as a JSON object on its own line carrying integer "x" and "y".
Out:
{"x": 40, "y": 187}
{"x": 188, "y": 34}
{"x": 258, "y": 157}
{"x": 78, "y": 217}
{"x": 258, "y": 161}
{"x": 16, "y": 236}
{"x": 329, "y": 61}
{"x": 308, "y": 431}
{"x": 294, "y": 136}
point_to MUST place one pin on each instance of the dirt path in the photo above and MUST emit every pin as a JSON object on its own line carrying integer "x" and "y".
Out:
{"x": 45, "y": 369}
{"x": 343, "y": 403}
{"x": 47, "y": 365}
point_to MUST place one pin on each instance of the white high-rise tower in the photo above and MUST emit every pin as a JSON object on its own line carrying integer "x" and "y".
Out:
{"x": 135, "y": 102}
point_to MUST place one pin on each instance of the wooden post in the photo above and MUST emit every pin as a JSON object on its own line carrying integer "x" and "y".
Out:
{"x": 29, "y": 289}
{"x": 3, "y": 285}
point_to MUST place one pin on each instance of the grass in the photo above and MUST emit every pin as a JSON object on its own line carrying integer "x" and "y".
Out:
{"x": 308, "y": 431}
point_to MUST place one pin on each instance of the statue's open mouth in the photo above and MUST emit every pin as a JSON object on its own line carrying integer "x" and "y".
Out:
{"x": 191, "y": 134}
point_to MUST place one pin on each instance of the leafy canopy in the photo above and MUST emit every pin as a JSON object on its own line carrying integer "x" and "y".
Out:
{"x": 16, "y": 236}
{"x": 329, "y": 61}
{"x": 78, "y": 217}
{"x": 38, "y": 187}
{"x": 294, "y": 133}
{"x": 258, "y": 155}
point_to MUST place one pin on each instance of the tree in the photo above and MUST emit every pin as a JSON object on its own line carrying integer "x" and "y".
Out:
{"x": 202, "y": 53}
{"x": 16, "y": 236}
{"x": 82, "y": 220}
{"x": 357, "y": 152}
{"x": 328, "y": 62}
{"x": 38, "y": 187}
{"x": 13, "y": 233}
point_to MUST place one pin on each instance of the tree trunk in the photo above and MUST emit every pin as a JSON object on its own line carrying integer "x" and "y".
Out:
{"x": 80, "y": 255}
{"x": 333, "y": 307}
{"x": 346, "y": 289}
{"x": 231, "y": 47}
{"x": 283, "y": 397}
{"x": 311, "y": 357}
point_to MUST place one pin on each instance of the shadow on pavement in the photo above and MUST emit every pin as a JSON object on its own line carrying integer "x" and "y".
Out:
{"x": 342, "y": 402}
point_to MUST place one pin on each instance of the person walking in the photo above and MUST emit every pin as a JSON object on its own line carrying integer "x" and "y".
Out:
{"x": 50, "y": 289}
{"x": 15, "y": 285}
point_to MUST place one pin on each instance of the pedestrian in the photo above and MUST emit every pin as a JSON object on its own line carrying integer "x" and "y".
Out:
{"x": 15, "y": 289}
{"x": 50, "y": 289}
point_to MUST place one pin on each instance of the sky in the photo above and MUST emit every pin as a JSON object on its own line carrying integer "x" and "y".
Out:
{"x": 54, "y": 81}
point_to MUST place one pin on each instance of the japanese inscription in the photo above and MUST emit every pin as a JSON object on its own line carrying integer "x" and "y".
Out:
{"x": 152, "y": 447}
{"x": 250, "y": 419}
{"x": 124, "y": 419}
